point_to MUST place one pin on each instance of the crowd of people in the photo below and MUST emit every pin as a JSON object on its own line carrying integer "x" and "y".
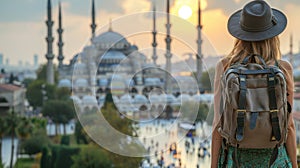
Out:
{"x": 175, "y": 150}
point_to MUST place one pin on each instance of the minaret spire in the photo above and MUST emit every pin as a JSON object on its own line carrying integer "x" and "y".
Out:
{"x": 49, "y": 39}
{"x": 110, "y": 25}
{"x": 93, "y": 25}
{"x": 291, "y": 50}
{"x": 199, "y": 55}
{"x": 168, "y": 54}
{"x": 154, "y": 32}
{"x": 60, "y": 43}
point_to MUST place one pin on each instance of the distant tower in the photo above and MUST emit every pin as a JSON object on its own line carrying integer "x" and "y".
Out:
{"x": 60, "y": 43}
{"x": 154, "y": 32}
{"x": 291, "y": 59}
{"x": 49, "y": 39}
{"x": 7, "y": 61}
{"x": 20, "y": 63}
{"x": 168, "y": 54}
{"x": 35, "y": 60}
{"x": 1, "y": 59}
{"x": 199, "y": 51}
{"x": 93, "y": 25}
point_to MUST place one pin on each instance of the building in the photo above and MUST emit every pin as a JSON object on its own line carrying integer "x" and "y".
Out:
{"x": 111, "y": 63}
{"x": 12, "y": 97}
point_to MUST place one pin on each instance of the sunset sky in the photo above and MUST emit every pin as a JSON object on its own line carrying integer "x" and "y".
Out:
{"x": 23, "y": 29}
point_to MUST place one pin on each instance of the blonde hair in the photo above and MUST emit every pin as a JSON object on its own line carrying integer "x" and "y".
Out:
{"x": 268, "y": 49}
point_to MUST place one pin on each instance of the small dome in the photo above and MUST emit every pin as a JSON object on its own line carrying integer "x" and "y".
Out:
{"x": 64, "y": 83}
{"x": 140, "y": 99}
{"x": 89, "y": 100}
{"x": 101, "y": 99}
{"x": 203, "y": 97}
{"x": 103, "y": 82}
{"x": 125, "y": 99}
{"x": 81, "y": 83}
{"x": 152, "y": 82}
{"x": 170, "y": 98}
{"x": 184, "y": 98}
{"x": 129, "y": 82}
{"x": 154, "y": 98}
{"x": 76, "y": 99}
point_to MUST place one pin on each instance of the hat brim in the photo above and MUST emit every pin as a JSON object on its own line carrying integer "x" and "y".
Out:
{"x": 235, "y": 29}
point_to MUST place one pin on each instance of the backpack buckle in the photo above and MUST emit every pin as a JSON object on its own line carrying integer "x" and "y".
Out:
{"x": 243, "y": 111}
{"x": 273, "y": 111}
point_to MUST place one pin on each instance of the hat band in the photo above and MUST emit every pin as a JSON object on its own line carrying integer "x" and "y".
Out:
{"x": 259, "y": 29}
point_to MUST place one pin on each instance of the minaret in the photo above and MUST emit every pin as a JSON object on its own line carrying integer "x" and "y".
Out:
{"x": 199, "y": 55}
{"x": 93, "y": 25}
{"x": 168, "y": 52}
{"x": 60, "y": 43}
{"x": 49, "y": 39}
{"x": 154, "y": 32}
{"x": 291, "y": 59}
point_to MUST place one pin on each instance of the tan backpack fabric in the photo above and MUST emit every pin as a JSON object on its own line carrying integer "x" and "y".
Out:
{"x": 253, "y": 106}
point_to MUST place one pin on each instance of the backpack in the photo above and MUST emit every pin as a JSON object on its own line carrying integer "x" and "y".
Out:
{"x": 253, "y": 105}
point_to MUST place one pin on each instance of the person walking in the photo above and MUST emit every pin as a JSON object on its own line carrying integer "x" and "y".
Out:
{"x": 256, "y": 28}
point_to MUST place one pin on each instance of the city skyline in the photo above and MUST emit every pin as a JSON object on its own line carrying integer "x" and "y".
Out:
{"x": 23, "y": 31}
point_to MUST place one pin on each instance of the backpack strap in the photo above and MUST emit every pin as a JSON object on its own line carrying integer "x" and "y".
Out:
{"x": 276, "y": 135}
{"x": 241, "y": 108}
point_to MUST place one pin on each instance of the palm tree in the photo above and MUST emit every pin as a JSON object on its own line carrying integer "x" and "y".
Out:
{"x": 12, "y": 125}
{"x": 3, "y": 130}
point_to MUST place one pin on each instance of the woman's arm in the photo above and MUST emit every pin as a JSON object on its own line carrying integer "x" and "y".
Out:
{"x": 216, "y": 137}
{"x": 291, "y": 138}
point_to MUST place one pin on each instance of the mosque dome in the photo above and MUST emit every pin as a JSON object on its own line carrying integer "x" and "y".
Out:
{"x": 113, "y": 55}
{"x": 76, "y": 99}
{"x": 125, "y": 99}
{"x": 154, "y": 98}
{"x": 65, "y": 83}
{"x": 140, "y": 99}
{"x": 110, "y": 40}
{"x": 81, "y": 83}
{"x": 89, "y": 100}
{"x": 184, "y": 98}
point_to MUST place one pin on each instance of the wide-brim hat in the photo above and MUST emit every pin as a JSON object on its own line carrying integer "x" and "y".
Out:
{"x": 256, "y": 21}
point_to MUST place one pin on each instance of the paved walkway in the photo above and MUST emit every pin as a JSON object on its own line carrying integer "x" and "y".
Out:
{"x": 173, "y": 148}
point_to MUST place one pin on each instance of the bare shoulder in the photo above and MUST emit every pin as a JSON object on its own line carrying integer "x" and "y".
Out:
{"x": 222, "y": 63}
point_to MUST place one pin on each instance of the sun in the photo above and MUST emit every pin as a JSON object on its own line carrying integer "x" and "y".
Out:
{"x": 185, "y": 12}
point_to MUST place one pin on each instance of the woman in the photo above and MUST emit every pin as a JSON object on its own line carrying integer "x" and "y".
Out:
{"x": 256, "y": 28}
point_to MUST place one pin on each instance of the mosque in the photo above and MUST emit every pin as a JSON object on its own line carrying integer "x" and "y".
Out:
{"x": 112, "y": 63}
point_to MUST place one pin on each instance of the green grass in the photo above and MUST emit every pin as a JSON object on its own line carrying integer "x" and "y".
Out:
{"x": 26, "y": 163}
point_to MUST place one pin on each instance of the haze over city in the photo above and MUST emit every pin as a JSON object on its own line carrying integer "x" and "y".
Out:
{"x": 23, "y": 28}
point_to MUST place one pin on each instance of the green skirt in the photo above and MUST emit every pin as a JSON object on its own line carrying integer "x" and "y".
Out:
{"x": 256, "y": 158}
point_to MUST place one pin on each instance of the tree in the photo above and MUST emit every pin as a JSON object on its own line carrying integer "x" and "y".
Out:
{"x": 42, "y": 73}
{"x": 207, "y": 79}
{"x": 35, "y": 143}
{"x": 3, "y": 130}
{"x": 60, "y": 112}
{"x": 12, "y": 121}
{"x": 25, "y": 128}
{"x": 63, "y": 93}
{"x": 91, "y": 156}
{"x": 80, "y": 134}
{"x": 188, "y": 110}
{"x": 202, "y": 112}
{"x": 35, "y": 94}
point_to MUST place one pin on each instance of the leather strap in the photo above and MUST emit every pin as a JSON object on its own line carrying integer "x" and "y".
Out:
{"x": 276, "y": 134}
{"x": 253, "y": 119}
{"x": 241, "y": 109}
